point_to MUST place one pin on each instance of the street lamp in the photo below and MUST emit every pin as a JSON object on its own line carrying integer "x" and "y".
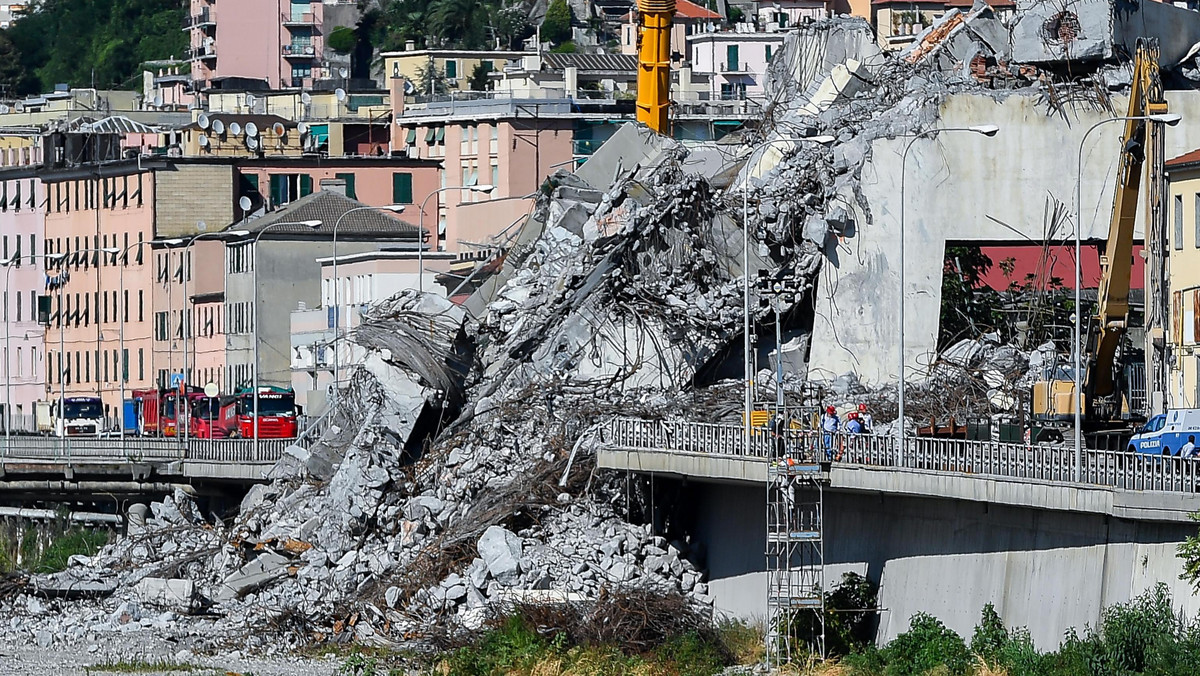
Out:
{"x": 8, "y": 268}
{"x": 747, "y": 365}
{"x": 182, "y": 412}
{"x": 1169, "y": 119}
{"x": 121, "y": 324}
{"x": 337, "y": 320}
{"x": 988, "y": 130}
{"x": 487, "y": 189}
{"x": 254, "y": 262}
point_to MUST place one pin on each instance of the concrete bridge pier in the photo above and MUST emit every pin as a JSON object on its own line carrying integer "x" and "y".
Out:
{"x": 1043, "y": 569}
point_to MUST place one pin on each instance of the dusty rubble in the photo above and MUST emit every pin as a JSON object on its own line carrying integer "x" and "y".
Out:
{"x": 455, "y": 473}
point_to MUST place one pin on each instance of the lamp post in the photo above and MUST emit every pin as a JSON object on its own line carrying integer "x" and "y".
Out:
{"x": 182, "y": 409}
{"x": 337, "y": 310}
{"x": 988, "y": 130}
{"x": 254, "y": 314}
{"x": 62, "y": 343}
{"x": 8, "y": 268}
{"x": 487, "y": 189}
{"x": 748, "y": 368}
{"x": 121, "y": 324}
{"x": 1170, "y": 119}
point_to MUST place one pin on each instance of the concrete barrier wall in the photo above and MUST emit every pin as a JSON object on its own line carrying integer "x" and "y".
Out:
{"x": 1048, "y": 571}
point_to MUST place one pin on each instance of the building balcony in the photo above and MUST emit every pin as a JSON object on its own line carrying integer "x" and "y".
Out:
{"x": 305, "y": 52}
{"x": 203, "y": 19}
{"x": 735, "y": 68}
{"x": 201, "y": 53}
{"x": 305, "y": 20}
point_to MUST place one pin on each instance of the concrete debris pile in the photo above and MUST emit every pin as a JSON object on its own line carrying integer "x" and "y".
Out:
{"x": 455, "y": 474}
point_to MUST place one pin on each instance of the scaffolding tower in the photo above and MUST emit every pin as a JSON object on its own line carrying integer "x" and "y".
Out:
{"x": 795, "y": 560}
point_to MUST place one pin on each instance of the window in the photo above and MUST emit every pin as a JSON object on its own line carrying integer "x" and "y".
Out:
{"x": 495, "y": 174}
{"x": 20, "y": 305}
{"x": 141, "y": 365}
{"x": 769, "y": 51}
{"x": 125, "y": 364}
{"x": 451, "y": 69}
{"x": 349, "y": 179}
{"x": 402, "y": 189}
{"x": 1178, "y": 222}
{"x": 141, "y": 306}
{"x": 1196, "y": 217}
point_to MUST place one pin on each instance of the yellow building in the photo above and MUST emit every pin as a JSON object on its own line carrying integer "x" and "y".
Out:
{"x": 456, "y": 65}
{"x": 1183, "y": 234}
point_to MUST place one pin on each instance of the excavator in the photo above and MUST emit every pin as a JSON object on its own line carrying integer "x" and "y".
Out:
{"x": 1106, "y": 412}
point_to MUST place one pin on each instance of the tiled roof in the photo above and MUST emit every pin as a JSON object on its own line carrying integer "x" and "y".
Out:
{"x": 1002, "y": 4}
{"x": 327, "y": 206}
{"x": 625, "y": 63}
{"x": 690, "y": 10}
{"x": 686, "y": 10}
{"x": 1185, "y": 159}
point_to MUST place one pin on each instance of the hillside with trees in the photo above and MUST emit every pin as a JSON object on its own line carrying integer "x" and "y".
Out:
{"x": 89, "y": 42}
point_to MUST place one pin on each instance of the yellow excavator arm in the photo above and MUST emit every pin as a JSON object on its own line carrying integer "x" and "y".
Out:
{"x": 654, "y": 62}
{"x": 1112, "y": 301}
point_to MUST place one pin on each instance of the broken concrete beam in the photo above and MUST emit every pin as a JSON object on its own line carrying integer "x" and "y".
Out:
{"x": 263, "y": 570}
{"x": 1098, "y": 30}
{"x": 171, "y": 594}
{"x": 500, "y": 550}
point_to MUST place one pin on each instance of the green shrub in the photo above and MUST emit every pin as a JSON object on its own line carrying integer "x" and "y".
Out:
{"x": 690, "y": 655}
{"x": 62, "y": 548}
{"x": 556, "y": 25}
{"x": 926, "y": 645}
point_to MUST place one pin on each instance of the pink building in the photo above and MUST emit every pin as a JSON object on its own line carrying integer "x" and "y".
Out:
{"x": 279, "y": 42}
{"x": 101, "y": 306}
{"x": 23, "y": 365}
{"x": 498, "y": 143}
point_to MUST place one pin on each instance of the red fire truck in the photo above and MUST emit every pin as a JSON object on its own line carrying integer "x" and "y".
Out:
{"x": 157, "y": 410}
{"x": 214, "y": 417}
{"x": 277, "y": 417}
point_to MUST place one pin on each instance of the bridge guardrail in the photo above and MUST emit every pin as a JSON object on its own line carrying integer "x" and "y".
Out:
{"x": 136, "y": 449}
{"x": 1129, "y": 471}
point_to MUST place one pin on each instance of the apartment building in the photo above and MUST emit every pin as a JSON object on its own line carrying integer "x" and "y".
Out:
{"x": 689, "y": 19}
{"x": 284, "y": 271}
{"x": 280, "y": 44}
{"x": 22, "y": 234}
{"x": 1183, "y": 267}
{"x": 735, "y": 62}
{"x": 455, "y": 65}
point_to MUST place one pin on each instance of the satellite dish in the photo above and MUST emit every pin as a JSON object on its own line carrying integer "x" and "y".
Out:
{"x": 278, "y": 129}
{"x": 251, "y": 143}
{"x": 339, "y": 94}
{"x": 302, "y": 127}
{"x": 250, "y": 100}
{"x": 158, "y": 101}
{"x": 4, "y": 109}
{"x": 251, "y": 129}
{"x": 218, "y": 126}
{"x": 409, "y": 88}
{"x": 203, "y": 141}
{"x": 305, "y": 98}
{"x": 211, "y": 390}
{"x": 343, "y": 72}
{"x": 235, "y": 128}
{"x": 245, "y": 203}
{"x": 202, "y": 120}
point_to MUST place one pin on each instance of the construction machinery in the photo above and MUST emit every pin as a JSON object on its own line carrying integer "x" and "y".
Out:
{"x": 654, "y": 62}
{"x": 1107, "y": 400}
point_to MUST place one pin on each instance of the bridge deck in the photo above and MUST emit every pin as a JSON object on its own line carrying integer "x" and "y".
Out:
{"x": 1122, "y": 484}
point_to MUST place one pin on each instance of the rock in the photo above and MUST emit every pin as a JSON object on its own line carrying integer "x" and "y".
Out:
{"x": 268, "y": 567}
{"x": 43, "y": 638}
{"x": 392, "y": 595}
{"x": 125, "y": 613}
{"x": 500, "y": 550}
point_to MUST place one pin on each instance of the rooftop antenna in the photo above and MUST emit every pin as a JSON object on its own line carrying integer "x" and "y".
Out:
{"x": 339, "y": 94}
{"x": 244, "y": 203}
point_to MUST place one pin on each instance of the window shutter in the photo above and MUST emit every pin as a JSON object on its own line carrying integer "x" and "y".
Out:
{"x": 402, "y": 188}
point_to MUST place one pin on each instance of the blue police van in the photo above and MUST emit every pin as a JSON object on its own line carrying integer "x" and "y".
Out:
{"x": 1167, "y": 433}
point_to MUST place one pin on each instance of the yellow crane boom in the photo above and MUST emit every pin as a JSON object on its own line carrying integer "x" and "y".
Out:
{"x": 654, "y": 62}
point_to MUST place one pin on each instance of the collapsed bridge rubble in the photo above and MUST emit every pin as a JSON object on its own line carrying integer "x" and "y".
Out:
{"x": 455, "y": 473}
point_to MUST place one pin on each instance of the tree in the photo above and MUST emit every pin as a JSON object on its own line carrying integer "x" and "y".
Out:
{"x": 12, "y": 73}
{"x": 964, "y": 311}
{"x": 1189, "y": 551}
{"x": 480, "y": 82}
{"x": 556, "y": 26}
{"x": 430, "y": 80}
{"x": 342, "y": 39}
{"x": 460, "y": 22}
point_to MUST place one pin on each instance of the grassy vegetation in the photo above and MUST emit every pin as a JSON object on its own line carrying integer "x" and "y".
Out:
{"x": 139, "y": 665}
{"x": 45, "y": 547}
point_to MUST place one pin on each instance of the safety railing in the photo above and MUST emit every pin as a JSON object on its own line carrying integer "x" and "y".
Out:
{"x": 135, "y": 449}
{"x": 1130, "y": 471}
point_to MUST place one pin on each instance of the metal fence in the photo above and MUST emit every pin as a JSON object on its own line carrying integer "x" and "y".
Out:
{"x": 134, "y": 449}
{"x": 1131, "y": 471}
